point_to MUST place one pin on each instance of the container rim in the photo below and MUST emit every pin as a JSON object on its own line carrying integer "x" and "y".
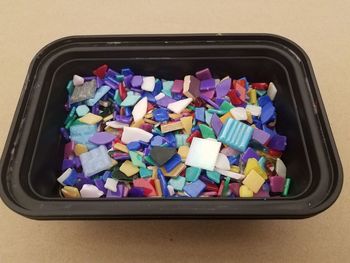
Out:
{"x": 293, "y": 48}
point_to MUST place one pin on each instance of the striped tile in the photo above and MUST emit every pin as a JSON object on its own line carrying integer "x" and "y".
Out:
{"x": 236, "y": 134}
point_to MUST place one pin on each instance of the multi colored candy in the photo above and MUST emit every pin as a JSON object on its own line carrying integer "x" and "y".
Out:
{"x": 129, "y": 135}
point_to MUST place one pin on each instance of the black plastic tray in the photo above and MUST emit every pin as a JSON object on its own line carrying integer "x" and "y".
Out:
{"x": 32, "y": 155}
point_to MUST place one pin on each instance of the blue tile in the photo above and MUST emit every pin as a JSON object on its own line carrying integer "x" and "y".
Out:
{"x": 195, "y": 189}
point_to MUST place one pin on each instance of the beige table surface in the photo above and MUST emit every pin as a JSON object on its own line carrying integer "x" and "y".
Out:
{"x": 320, "y": 27}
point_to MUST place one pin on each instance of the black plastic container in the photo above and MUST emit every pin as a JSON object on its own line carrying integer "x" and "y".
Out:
{"x": 32, "y": 155}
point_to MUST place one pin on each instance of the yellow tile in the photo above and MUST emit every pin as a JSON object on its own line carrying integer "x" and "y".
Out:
{"x": 225, "y": 117}
{"x": 235, "y": 169}
{"x": 111, "y": 130}
{"x": 114, "y": 162}
{"x": 121, "y": 147}
{"x": 253, "y": 164}
{"x": 79, "y": 149}
{"x": 253, "y": 181}
{"x": 70, "y": 192}
{"x": 175, "y": 172}
{"x": 108, "y": 118}
{"x": 90, "y": 118}
{"x": 244, "y": 191}
{"x": 175, "y": 116}
{"x": 158, "y": 187}
{"x": 128, "y": 168}
{"x": 183, "y": 152}
{"x": 137, "y": 124}
{"x": 150, "y": 121}
{"x": 187, "y": 124}
{"x": 252, "y": 96}
{"x": 249, "y": 117}
{"x": 171, "y": 126}
{"x": 149, "y": 116}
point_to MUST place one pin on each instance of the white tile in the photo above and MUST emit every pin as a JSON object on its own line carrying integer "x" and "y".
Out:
{"x": 281, "y": 169}
{"x": 239, "y": 113}
{"x": 203, "y": 153}
{"x": 140, "y": 109}
{"x": 148, "y": 83}
{"x": 180, "y": 105}
{"x": 272, "y": 91}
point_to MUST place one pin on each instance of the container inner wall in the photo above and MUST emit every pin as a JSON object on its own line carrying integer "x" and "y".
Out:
{"x": 257, "y": 65}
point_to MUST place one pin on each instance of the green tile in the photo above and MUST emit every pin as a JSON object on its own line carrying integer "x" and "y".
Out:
{"x": 136, "y": 159}
{"x": 206, "y": 131}
{"x": 178, "y": 183}
{"x": 192, "y": 174}
{"x": 214, "y": 176}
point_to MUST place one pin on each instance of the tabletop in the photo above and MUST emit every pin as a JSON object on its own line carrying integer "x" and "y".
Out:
{"x": 320, "y": 27}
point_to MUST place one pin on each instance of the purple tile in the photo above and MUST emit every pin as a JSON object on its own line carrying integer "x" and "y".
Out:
{"x": 165, "y": 101}
{"x": 277, "y": 184}
{"x": 99, "y": 82}
{"x": 261, "y": 136}
{"x": 210, "y": 102}
{"x": 223, "y": 87}
{"x": 118, "y": 194}
{"x": 111, "y": 73}
{"x": 136, "y": 192}
{"x": 67, "y": 163}
{"x": 120, "y": 156}
{"x": 208, "y": 84}
{"x": 127, "y": 80}
{"x": 81, "y": 180}
{"x": 228, "y": 151}
{"x": 111, "y": 84}
{"x": 123, "y": 119}
{"x": 194, "y": 86}
{"x": 95, "y": 109}
{"x": 101, "y": 138}
{"x": 209, "y": 94}
{"x": 262, "y": 194}
{"x": 249, "y": 153}
{"x": 76, "y": 162}
{"x": 99, "y": 183}
{"x": 216, "y": 124}
{"x": 136, "y": 81}
{"x": 268, "y": 130}
{"x": 200, "y": 114}
{"x": 219, "y": 101}
{"x": 278, "y": 142}
{"x": 147, "y": 151}
{"x": 178, "y": 86}
{"x": 204, "y": 74}
{"x": 89, "y": 78}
